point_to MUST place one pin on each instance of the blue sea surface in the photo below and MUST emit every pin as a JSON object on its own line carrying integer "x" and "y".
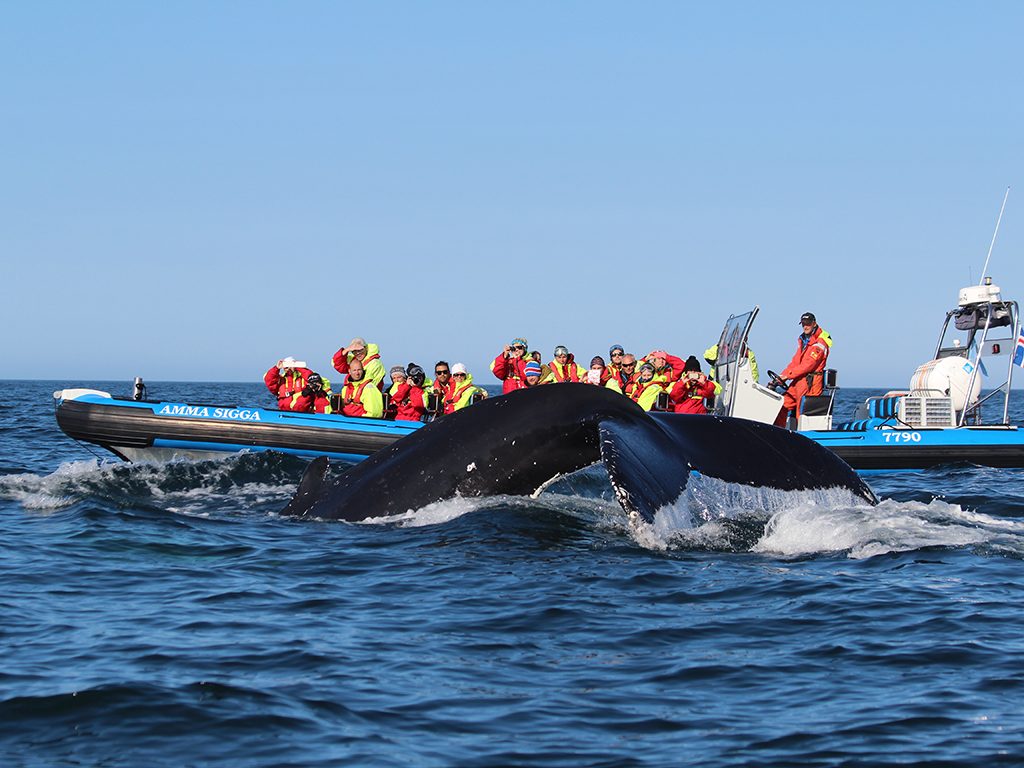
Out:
{"x": 166, "y": 615}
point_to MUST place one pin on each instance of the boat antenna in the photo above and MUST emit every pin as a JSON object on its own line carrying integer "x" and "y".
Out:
{"x": 984, "y": 270}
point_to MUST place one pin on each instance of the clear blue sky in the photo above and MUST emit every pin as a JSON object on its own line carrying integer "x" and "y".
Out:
{"x": 193, "y": 190}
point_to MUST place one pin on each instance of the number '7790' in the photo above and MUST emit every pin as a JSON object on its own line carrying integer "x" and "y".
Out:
{"x": 902, "y": 437}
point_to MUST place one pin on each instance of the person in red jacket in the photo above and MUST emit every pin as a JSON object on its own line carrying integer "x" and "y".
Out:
{"x": 508, "y": 366}
{"x": 688, "y": 394}
{"x": 438, "y": 389}
{"x": 315, "y": 397}
{"x": 368, "y": 356}
{"x": 667, "y": 368}
{"x": 408, "y": 396}
{"x": 286, "y": 378}
{"x": 442, "y": 379}
{"x": 360, "y": 396}
{"x": 806, "y": 371}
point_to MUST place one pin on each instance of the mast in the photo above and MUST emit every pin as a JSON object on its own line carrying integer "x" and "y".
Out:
{"x": 984, "y": 270}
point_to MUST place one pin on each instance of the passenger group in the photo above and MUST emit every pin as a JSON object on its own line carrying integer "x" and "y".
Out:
{"x": 657, "y": 381}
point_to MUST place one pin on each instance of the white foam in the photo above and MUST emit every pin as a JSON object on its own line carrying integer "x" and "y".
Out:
{"x": 866, "y": 531}
{"x": 196, "y": 501}
{"x": 435, "y": 513}
{"x": 695, "y": 518}
{"x": 53, "y": 491}
{"x": 800, "y": 523}
{"x": 607, "y": 513}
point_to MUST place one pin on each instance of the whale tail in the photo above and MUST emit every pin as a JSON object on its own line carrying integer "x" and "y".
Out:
{"x": 634, "y": 453}
{"x": 649, "y": 461}
{"x": 517, "y": 443}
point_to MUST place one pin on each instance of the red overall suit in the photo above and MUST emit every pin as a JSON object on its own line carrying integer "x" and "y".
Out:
{"x": 806, "y": 369}
{"x": 510, "y": 371}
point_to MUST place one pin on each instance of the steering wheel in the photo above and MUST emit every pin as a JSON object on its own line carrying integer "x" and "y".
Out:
{"x": 775, "y": 382}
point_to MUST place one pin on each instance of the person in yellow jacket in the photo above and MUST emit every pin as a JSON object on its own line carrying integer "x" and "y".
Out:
{"x": 711, "y": 357}
{"x": 462, "y": 390}
{"x": 360, "y": 396}
{"x": 368, "y": 356}
{"x": 647, "y": 388}
{"x": 564, "y": 367}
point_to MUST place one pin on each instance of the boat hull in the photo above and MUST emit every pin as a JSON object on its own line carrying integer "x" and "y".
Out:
{"x": 160, "y": 431}
{"x": 894, "y": 449}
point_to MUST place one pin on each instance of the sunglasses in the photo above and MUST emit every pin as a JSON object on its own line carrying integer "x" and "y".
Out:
{"x": 441, "y": 373}
{"x": 518, "y": 348}
{"x": 618, "y": 354}
{"x": 458, "y": 375}
{"x": 629, "y": 365}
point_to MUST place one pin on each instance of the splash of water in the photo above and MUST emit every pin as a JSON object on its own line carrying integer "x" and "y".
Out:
{"x": 892, "y": 526}
{"x": 714, "y": 515}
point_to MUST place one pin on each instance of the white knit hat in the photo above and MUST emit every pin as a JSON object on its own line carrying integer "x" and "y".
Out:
{"x": 459, "y": 368}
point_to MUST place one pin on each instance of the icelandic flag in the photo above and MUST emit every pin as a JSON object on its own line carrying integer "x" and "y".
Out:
{"x": 1018, "y": 352}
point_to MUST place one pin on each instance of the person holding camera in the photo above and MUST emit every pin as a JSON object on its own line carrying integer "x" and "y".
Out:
{"x": 693, "y": 388}
{"x": 508, "y": 366}
{"x": 286, "y": 378}
{"x": 315, "y": 397}
{"x": 408, "y": 395}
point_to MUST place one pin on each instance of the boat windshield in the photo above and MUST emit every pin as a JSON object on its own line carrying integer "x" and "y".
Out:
{"x": 732, "y": 346}
{"x": 966, "y": 326}
{"x": 734, "y": 337}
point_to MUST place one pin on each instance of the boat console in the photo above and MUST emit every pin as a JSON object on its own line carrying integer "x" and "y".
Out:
{"x": 741, "y": 396}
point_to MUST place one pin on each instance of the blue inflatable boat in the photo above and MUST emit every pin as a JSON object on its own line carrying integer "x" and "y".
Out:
{"x": 145, "y": 430}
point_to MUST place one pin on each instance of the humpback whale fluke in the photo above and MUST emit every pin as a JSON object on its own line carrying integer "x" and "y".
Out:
{"x": 515, "y": 443}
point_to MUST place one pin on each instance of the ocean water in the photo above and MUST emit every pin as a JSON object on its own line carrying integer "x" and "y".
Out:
{"x": 166, "y": 615}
